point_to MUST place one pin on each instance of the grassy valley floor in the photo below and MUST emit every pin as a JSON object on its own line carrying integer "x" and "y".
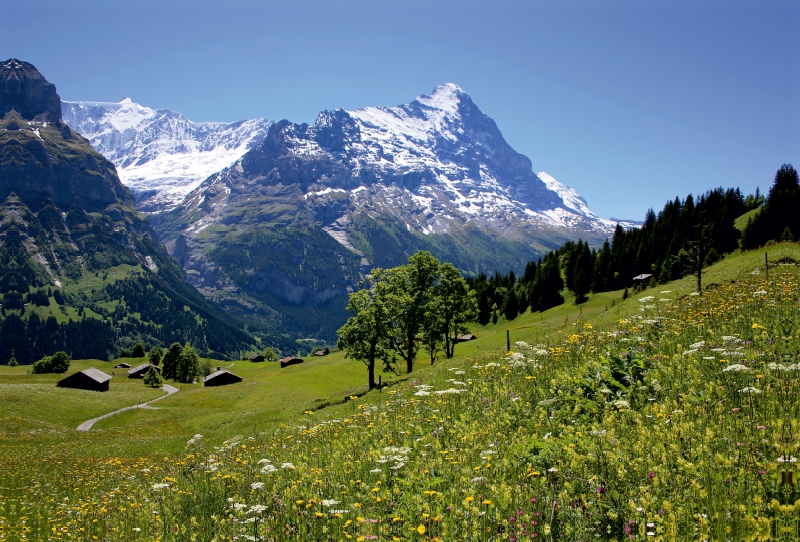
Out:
{"x": 667, "y": 416}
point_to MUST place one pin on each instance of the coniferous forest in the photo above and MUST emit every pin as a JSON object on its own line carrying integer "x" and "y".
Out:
{"x": 684, "y": 235}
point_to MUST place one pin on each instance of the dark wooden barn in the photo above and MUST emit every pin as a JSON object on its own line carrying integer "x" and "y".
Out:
{"x": 88, "y": 379}
{"x": 122, "y": 365}
{"x": 465, "y": 338}
{"x": 257, "y": 358}
{"x": 221, "y": 378}
{"x": 290, "y": 360}
{"x": 140, "y": 370}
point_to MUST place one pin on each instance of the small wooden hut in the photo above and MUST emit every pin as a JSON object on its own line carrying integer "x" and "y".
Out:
{"x": 88, "y": 379}
{"x": 122, "y": 365}
{"x": 465, "y": 338}
{"x": 640, "y": 281}
{"x": 221, "y": 378}
{"x": 257, "y": 358}
{"x": 290, "y": 360}
{"x": 140, "y": 370}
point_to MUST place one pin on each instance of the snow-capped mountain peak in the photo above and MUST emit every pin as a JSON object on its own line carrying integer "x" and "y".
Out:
{"x": 160, "y": 154}
{"x": 444, "y": 97}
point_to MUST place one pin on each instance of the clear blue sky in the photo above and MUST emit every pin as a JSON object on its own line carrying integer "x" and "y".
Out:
{"x": 630, "y": 102}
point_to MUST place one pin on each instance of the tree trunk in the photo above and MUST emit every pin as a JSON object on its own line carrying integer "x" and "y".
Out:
{"x": 371, "y": 372}
{"x": 371, "y": 364}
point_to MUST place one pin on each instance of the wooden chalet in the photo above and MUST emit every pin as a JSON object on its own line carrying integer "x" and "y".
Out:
{"x": 320, "y": 353}
{"x": 221, "y": 378}
{"x": 290, "y": 360}
{"x": 122, "y": 365}
{"x": 640, "y": 281}
{"x": 465, "y": 338}
{"x": 89, "y": 379}
{"x": 140, "y": 370}
{"x": 257, "y": 358}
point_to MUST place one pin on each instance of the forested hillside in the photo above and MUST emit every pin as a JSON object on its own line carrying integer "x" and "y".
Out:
{"x": 685, "y": 235}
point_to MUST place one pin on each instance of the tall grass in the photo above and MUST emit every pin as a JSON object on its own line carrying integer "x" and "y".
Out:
{"x": 677, "y": 421}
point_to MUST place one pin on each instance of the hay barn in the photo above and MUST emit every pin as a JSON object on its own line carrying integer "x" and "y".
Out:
{"x": 287, "y": 361}
{"x": 88, "y": 379}
{"x": 140, "y": 370}
{"x": 221, "y": 378}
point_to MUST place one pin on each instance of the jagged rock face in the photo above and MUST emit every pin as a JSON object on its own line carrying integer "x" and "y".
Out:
{"x": 25, "y": 90}
{"x": 41, "y": 159}
{"x": 160, "y": 154}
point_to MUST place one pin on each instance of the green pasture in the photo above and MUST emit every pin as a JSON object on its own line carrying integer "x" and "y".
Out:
{"x": 38, "y": 412}
{"x": 618, "y": 419}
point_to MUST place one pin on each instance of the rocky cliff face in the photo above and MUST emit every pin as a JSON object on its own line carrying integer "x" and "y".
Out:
{"x": 23, "y": 89}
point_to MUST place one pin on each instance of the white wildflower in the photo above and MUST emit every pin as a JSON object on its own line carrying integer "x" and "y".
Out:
{"x": 736, "y": 367}
{"x": 327, "y": 503}
{"x": 749, "y": 389}
{"x": 160, "y": 486}
{"x": 257, "y": 485}
{"x": 287, "y": 466}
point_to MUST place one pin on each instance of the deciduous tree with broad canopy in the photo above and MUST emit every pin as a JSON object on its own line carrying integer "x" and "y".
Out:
{"x": 423, "y": 304}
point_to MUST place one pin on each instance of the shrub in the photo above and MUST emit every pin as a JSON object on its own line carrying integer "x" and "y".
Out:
{"x": 57, "y": 363}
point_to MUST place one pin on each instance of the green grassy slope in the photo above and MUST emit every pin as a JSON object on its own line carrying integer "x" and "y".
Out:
{"x": 532, "y": 427}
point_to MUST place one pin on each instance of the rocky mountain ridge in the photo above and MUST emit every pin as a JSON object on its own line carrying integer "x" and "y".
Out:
{"x": 302, "y": 216}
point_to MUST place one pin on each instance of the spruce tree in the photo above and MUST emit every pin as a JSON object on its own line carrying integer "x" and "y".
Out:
{"x": 778, "y": 213}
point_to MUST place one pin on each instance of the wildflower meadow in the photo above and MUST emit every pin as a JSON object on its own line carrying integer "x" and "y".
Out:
{"x": 677, "y": 421}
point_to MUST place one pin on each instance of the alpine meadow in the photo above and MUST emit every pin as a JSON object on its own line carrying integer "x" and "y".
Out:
{"x": 383, "y": 325}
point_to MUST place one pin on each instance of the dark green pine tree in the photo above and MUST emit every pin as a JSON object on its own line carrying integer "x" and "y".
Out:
{"x": 510, "y": 305}
{"x": 778, "y": 213}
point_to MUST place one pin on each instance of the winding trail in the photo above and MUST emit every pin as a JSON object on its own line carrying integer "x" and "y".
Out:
{"x": 85, "y": 426}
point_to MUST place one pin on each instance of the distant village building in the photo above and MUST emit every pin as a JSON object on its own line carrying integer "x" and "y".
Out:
{"x": 256, "y": 358}
{"x": 640, "y": 281}
{"x": 140, "y": 370}
{"x": 122, "y": 365}
{"x": 465, "y": 338}
{"x": 285, "y": 362}
{"x": 320, "y": 353}
{"x": 221, "y": 378}
{"x": 88, "y": 379}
